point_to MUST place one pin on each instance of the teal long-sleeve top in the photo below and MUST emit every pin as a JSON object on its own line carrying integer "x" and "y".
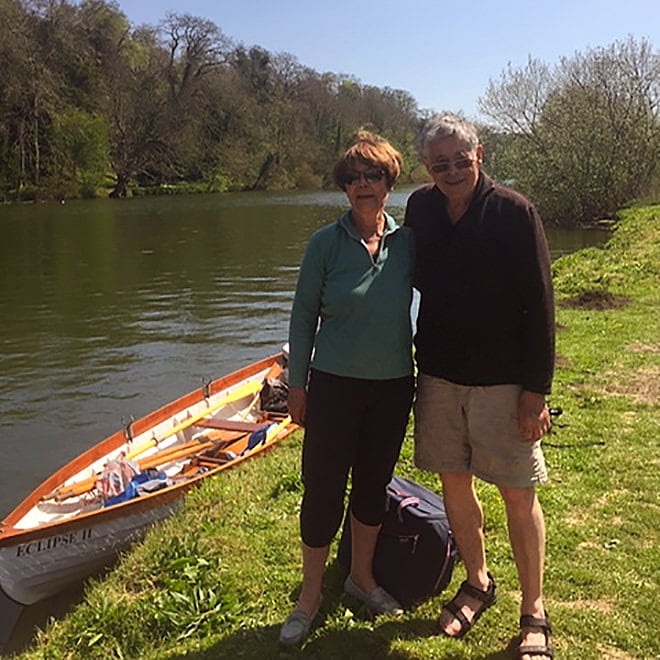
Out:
{"x": 351, "y": 310}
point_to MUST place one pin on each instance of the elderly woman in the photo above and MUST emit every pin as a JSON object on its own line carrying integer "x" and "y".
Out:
{"x": 350, "y": 323}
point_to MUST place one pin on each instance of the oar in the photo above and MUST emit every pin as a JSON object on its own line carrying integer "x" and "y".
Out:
{"x": 84, "y": 486}
{"x": 171, "y": 456}
{"x": 159, "y": 458}
{"x": 250, "y": 387}
{"x": 183, "y": 451}
{"x": 271, "y": 435}
{"x": 166, "y": 456}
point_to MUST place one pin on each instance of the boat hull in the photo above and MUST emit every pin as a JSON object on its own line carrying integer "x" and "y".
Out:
{"x": 36, "y": 569}
{"x": 55, "y": 538}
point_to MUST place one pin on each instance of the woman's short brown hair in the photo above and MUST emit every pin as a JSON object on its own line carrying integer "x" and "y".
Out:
{"x": 371, "y": 150}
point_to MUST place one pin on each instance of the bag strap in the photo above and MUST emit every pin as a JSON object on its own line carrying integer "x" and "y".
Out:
{"x": 447, "y": 564}
{"x": 411, "y": 500}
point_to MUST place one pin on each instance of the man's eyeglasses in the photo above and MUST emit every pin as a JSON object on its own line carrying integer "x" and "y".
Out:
{"x": 460, "y": 164}
{"x": 370, "y": 176}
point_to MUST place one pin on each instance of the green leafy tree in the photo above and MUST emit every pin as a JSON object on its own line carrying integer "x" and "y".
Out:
{"x": 581, "y": 139}
{"x": 15, "y": 49}
{"x": 80, "y": 141}
{"x": 169, "y": 103}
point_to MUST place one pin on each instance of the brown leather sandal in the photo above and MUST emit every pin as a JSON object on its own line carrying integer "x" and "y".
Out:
{"x": 547, "y": 650}
{"x": 487, "y": 598}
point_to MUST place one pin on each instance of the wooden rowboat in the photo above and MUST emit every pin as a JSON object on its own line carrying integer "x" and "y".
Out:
{"x": 77, "y": 520}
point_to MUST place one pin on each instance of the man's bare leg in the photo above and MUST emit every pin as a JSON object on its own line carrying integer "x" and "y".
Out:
{"x": 527, "y": 535}
{"x": 466, "y": 521}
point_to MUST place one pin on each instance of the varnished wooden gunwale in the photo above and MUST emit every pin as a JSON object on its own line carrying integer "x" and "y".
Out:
{"x": 9, "y": 535}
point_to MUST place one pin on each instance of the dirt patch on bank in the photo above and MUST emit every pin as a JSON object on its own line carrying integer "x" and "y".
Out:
{"x": 638, "y": 347}
{"x": 603, "y": 606}
{"x": 596, "y": 299}
{"x": 609, "y": 653}
{"x": 643, "y": 386}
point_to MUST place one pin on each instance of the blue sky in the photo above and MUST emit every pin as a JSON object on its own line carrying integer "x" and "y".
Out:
{"x": 442, "y": 53}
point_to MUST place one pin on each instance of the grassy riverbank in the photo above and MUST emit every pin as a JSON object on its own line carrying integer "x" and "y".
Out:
{"x": 217, "y": 581}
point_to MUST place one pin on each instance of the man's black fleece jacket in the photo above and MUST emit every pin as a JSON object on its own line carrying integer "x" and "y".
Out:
{"x": 486, "y": 313}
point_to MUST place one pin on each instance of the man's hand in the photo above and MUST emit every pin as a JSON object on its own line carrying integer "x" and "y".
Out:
{"x": 533, "y": 416}
{"x": 297, "y": 403}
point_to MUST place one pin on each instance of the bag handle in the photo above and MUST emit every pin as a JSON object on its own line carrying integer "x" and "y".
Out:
{"x": 411, "y": 500}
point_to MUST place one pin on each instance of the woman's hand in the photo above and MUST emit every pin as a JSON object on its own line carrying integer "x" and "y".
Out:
{"x": 297, "y": 403}
{"x": 533, "y": 416}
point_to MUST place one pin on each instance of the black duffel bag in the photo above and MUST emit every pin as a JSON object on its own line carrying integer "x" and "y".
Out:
{"x": 415, "y": 552}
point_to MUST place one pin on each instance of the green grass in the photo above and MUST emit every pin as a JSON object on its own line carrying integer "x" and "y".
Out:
{"x": 218, "y": 580}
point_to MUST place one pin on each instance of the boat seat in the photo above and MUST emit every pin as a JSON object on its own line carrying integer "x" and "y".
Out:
{"x": 230, "y": 425}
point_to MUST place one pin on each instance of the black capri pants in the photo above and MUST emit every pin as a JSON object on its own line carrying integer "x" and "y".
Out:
{"x": 350, "y": 424}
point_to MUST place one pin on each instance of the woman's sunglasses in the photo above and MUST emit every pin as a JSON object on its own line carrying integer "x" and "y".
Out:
{"x": 370, "y": 176}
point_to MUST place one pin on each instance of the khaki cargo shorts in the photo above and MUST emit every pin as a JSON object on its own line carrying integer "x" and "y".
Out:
{"x": 461, "y": 428}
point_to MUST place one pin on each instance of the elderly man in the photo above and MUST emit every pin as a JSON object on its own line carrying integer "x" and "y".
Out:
{"x": 485, "y": 357}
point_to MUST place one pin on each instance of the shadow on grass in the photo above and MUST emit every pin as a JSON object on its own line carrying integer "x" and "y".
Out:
{"x": 327, "y": 642}
{"x": 355, "y": 644}
{"x": 346, "y": 644}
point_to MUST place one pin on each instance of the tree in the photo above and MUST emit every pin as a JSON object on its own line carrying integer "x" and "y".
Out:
{"x": 137, "y": 112}
{"x": 581, "y": 139}
{"x": 80, "y": 141}
{"x": 168, "y": 103}
{"x": 15, "y": 49}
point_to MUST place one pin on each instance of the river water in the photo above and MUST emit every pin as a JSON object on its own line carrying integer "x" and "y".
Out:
{"x": 111, "y": 308}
